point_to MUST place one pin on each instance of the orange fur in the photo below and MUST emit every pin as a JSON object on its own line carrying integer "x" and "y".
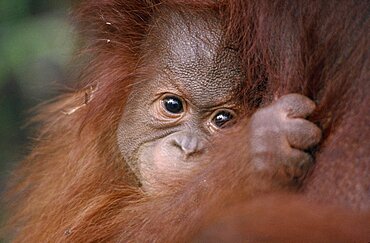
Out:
{"x": 74, "y": 186}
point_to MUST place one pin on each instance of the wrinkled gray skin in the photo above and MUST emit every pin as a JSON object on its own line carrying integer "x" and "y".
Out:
{"x": 184, "y": 56}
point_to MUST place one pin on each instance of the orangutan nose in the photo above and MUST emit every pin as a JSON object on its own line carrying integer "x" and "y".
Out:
{"x": 189, "y": 144}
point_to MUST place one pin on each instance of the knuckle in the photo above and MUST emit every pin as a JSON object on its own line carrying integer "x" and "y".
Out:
{"x": 311, "y": 104}
{"x": 294, "y": 168}
{"x": 318, "y": 133}
{"x": 301, "y": 164}
{"x": 297, "y": 103}
{"x": 315, "y": 134}
{"x": 291, "y": 99}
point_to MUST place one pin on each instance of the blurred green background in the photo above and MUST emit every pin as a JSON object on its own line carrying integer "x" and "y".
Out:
{"x": 36, "y": 44}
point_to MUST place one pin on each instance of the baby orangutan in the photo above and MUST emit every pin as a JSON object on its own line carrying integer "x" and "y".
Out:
{"x": 188, "y": 93}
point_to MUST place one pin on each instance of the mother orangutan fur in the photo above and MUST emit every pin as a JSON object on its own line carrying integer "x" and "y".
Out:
{"x": 74, "y": 187}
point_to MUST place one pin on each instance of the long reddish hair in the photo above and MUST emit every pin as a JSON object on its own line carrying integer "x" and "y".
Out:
{"x": 74, "y": 185}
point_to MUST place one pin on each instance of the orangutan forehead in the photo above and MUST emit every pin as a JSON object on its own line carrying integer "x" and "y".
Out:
{"x": 193, "y": 55}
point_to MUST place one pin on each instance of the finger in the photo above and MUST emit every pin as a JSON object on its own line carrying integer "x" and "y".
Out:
{"x": 298, "y": 164}
{"x": 302, "y": 134}
{"x": 296, "y": 105}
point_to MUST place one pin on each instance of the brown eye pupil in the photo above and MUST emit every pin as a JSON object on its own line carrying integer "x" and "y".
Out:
{"x": 173, "y": 105}
{"x": 222, "y": 117}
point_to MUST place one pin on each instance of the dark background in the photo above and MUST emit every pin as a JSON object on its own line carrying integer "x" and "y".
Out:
{"x": 36, "y": 45}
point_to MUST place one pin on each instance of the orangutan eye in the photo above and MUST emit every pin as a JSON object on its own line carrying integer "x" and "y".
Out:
{"x": 222, "y": 117}
{"x": 173, "y": 104}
